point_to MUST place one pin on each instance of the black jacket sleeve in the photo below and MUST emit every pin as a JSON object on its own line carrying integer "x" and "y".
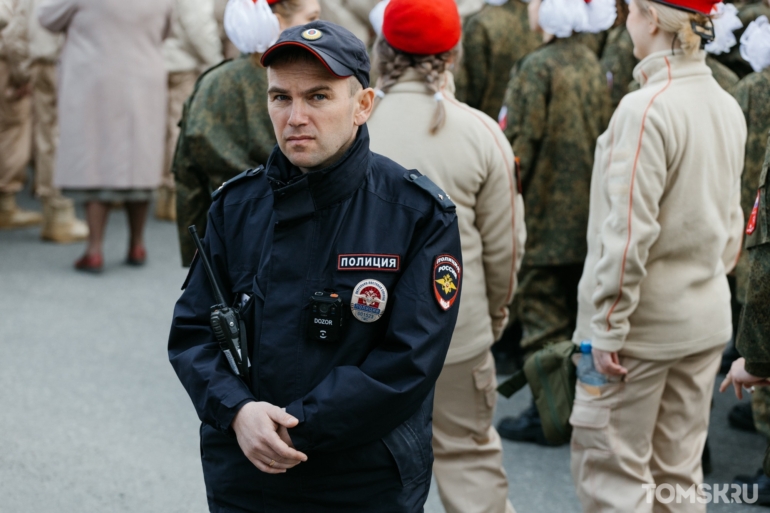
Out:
{"x": 216, "y": 392}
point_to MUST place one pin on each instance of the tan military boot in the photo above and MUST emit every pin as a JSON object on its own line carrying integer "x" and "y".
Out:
{"x": 11, "y": 216}
{"x": 60, "y": 224}
{"x": 165, "y": 205}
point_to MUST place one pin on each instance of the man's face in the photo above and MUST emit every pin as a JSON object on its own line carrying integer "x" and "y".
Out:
{"x": 315, "y": 115}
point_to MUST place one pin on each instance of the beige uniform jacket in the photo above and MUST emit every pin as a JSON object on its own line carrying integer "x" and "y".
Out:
{"x": 194, "y": 43}
{"x": 471, "y": 160}
{"x": 41, "y": 45}
{"x": 665, "y": 223}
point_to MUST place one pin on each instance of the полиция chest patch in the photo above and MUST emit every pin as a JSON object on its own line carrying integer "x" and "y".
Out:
{"x": 368, "y": 262}
{"x": 369, "y": 300}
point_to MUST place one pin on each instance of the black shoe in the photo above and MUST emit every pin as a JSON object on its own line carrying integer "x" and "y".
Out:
{"x": 742, "y": 418}
{"x": 705, "y": 459}
{"x": 763, "y": 486}
{"x": 524, "y": 428}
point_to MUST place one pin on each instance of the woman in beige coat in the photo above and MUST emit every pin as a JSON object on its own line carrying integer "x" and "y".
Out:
{"x": 112, "y": 106}
{"x": 419, "y": 124}
{"x": 664, "y": 230}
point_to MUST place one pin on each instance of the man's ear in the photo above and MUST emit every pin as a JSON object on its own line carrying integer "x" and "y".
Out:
{"x": 364, "y": 104}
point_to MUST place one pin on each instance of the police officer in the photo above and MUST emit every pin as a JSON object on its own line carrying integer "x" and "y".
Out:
{"x": 328, "y": 423}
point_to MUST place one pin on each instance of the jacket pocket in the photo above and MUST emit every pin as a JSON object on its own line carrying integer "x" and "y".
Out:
{"x": 409, "y": 451}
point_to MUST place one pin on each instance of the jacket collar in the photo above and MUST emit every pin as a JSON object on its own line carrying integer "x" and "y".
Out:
{"x": 660, "y": 66}
{"x": 297, "y": 194}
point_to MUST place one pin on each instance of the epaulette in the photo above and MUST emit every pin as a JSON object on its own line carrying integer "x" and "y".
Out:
{"x": 249, "y": 173}
{"x": 426, "y": 184}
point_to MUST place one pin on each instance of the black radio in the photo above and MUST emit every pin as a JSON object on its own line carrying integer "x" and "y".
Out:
{"x": 325, "y": 321}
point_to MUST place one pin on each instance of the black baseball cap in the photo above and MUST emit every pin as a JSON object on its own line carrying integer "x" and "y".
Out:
{"x": 342, "y": 53}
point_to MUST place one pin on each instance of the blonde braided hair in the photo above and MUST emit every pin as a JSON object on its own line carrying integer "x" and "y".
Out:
{"x": 392, "y": 64}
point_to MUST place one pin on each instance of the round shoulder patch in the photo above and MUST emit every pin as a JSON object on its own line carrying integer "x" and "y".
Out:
{"x": 446, "y": 280}
{"x": 369, "y": 300}
{"x": 312, "y": 34}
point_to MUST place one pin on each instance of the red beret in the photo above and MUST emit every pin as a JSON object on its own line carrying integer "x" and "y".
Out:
{"x": 423, "y": 27}
{"x": 699, "y": 6}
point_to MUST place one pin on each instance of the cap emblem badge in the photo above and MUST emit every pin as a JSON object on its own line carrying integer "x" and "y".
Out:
{"x": 312, "y": 34}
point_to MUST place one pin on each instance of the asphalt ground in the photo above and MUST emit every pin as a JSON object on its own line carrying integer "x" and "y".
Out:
{"x": 93, "y": 419}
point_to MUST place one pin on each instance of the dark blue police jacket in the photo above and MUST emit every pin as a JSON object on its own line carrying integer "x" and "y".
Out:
{"x": 364, "y": 403}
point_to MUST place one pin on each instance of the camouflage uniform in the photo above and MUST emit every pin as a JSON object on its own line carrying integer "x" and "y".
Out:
{"x": 225, "y": 129}
{"x": 754, "y": 331}
{"x": 595, "y": 42}
{"x": 494, "y": 39}
{"x": 733, "y": 59}
{"x": 618, "y": 62}
{"x": 554, "y": 136}
{"x": 753, "y": 95}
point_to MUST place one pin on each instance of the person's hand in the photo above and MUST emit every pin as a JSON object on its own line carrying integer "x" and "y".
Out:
{"x": 608, "y": 363}
{"x": 740, "y": 379}
{"x": 261, "y": 429}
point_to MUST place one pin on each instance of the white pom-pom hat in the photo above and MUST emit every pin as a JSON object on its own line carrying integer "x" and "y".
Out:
{"x": 564, "y": 17}
{"x": 251, "y": 25}
{"x": 755, "y": 44}
{"x": 726, "y": 22}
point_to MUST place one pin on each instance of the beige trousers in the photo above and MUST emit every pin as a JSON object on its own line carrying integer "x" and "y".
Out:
{"x": 45, "y": 127}
{"x": 647, "y": 431}
{"x": 180, "y": 86}
{"x": 15, "y": 135}
{"x": 468, "y": 453}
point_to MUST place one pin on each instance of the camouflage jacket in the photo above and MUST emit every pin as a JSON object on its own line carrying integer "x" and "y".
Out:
{"x": 733, "y": 59}
{"x": 618, "y": 62}
{"x": 594, "y": 41}
{"x": 494, "y": 39}
{"x": 225, "y": 129}
{"x": 753, "y": 340}
{"x": 557, "y": 105}
{"x": 753, "y": 95}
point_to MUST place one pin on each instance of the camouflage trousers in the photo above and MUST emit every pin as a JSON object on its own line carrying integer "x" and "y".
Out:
{"x": 547, "y": 304}
{"x": 760, "y": 406}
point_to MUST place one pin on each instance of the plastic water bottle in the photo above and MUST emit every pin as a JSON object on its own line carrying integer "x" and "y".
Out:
{"x": 586, "y": 371}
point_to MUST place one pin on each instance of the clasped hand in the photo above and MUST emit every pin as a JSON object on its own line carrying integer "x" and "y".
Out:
{"x": 262, "y": 432}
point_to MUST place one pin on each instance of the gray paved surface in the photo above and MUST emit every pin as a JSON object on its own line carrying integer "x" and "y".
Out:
{"x": 92, "y": 418}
